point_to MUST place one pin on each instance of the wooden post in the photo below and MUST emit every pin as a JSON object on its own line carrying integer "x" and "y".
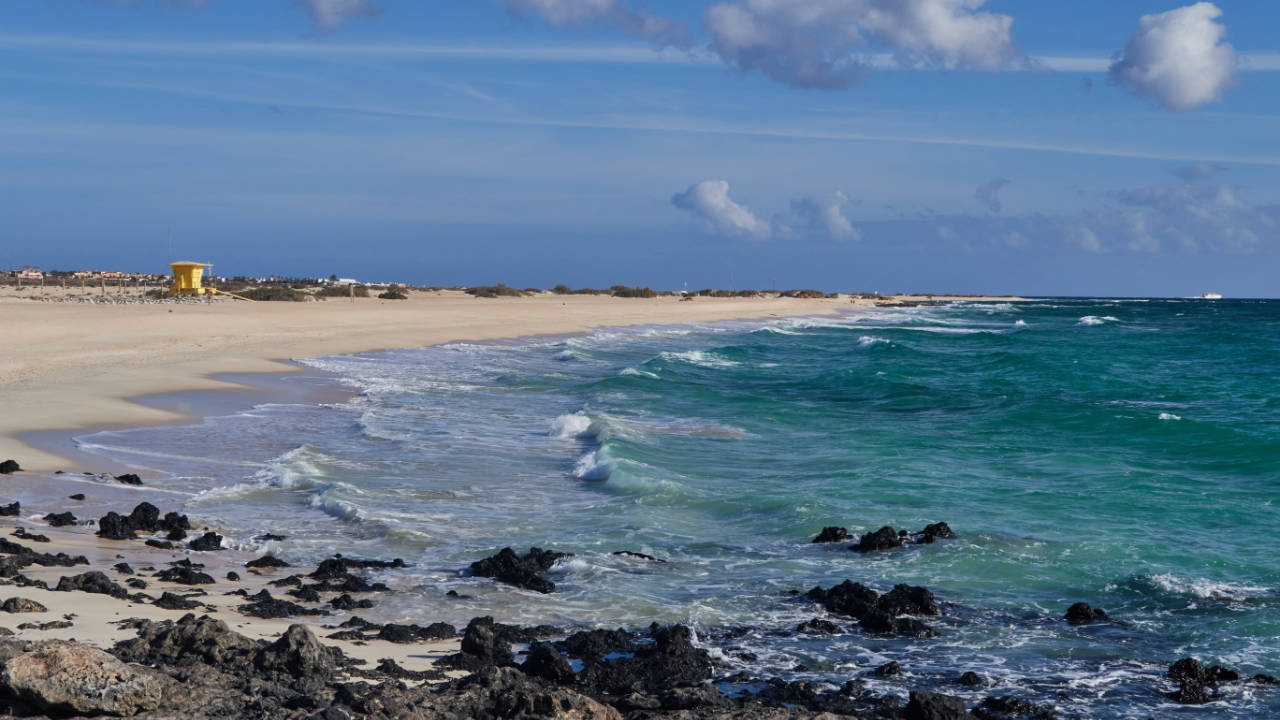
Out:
{"x": 103, "y": 280}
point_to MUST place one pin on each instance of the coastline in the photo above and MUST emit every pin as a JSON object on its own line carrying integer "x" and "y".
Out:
{"x": 84, "y": 367}
{"x": 421, "y": 657}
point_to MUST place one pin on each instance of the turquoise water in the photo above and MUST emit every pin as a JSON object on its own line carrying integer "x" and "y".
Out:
{"x": 1121, "y": 453}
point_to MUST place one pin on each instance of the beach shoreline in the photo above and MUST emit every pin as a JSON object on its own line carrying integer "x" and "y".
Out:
{"x": 84, "y": 367}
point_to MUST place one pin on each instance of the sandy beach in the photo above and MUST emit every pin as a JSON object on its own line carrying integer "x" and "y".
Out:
{"x": 75, "y": 365}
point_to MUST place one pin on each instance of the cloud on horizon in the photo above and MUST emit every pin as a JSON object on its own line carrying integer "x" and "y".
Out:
{"x": 824, "y": 216}
{"x": 709, "y": 201}
{"x": 1178, "y": 58}
{"x": 812, "y": 216}
{"x": 821, "y": 43}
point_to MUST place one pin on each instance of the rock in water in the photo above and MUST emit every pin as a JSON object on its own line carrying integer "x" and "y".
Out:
{"x": 114, "y": 527}
{"x": 882, "y": 539}
{"x": 208, "y": 542}
{"x": 1083, "y": 614}
{"x": 832, "y": 534}
{"x": 519, "y": 570}
{"x": 67, "y": 679}
{"x": 60, "y": 519}
{"x": 935, "y": 706}
{"x": 128, "y": 479}
{"x": 9, "y": 467}
{"x": 13, "y": 509}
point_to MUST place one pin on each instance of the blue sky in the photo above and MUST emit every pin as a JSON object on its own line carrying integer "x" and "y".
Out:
{"x": 595, "y": 142}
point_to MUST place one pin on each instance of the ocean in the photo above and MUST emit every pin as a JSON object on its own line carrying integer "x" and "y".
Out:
{"x": 1124, "y": 453}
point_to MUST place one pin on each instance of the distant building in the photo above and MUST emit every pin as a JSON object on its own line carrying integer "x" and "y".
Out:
{"x": 30, "y": 274}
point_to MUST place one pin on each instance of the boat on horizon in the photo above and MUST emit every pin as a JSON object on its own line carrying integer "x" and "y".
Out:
{"x": 1211, "y": 296}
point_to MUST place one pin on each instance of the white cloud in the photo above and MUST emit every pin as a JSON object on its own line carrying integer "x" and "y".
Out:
{"x": 639, "y": 23}
{"x": 709, "y": 201}
{"x": 988, "y": 194}
{"x": 823, "y": 43}
{"x": 825, "y": 216}
{"x": 1178, "y": 58}
{"x": 329, "y": 14}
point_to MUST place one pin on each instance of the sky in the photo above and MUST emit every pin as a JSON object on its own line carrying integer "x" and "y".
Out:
{"x": 1003, "y": 146}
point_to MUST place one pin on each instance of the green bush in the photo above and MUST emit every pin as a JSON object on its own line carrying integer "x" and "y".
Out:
{"x": 493, "y": 291}
{"x": 630, "y": 292}
{"x": 807, "y": 294}
{"x": 271, "y": 293}
{"x": 393, "y": 293}
{"x": 329, "y": 291}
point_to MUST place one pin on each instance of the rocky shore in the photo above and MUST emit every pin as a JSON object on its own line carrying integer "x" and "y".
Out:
{"x": 146, "y": 614}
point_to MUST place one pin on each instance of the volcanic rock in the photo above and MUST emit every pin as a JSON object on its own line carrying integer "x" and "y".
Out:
{"x": 1082, "y": 614}
{"x": 935, "y": 706}
{"x": 8, "y": 467}
{"x": 13, "y": 509}
{"x": 22, "y": 605}
{"x": 60, "y": 519}
{"x": 519, "y": 570}
{"x": 546, "y": 662}
{"x": 91, "y": 582}
{"x": 208, "y": 542}
{"x": 832, "y": 534}
{"x": 68, "y": 679}
{"x": 170, "y": 601}
{"x": 128, "y": 479}
{"x": 267, "y": 561}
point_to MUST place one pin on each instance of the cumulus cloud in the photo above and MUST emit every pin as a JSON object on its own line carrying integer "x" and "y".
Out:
{"x": 824, "y": 43}
{"x": 639, "y": 23}
{"x": 709, "y": 201}
{"x": 1197, "y": 171}
{"x": 330, "y": 14}
{"x": 988, "y": 194}
{"x": 824, "y": 215}
{"x": 1178, "y": 58}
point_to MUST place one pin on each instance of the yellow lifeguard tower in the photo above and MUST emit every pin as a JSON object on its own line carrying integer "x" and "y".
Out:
{"x": 187, "y": 277}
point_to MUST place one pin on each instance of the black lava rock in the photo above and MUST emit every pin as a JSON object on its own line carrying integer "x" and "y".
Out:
{"x": 878, "y": 613}
{"x": 971, "y": 679}
{"x": 233, "y": 576}
{"x": 882, "y": 539}
{"x": 545, "y": 662}
{"x": 91, "y": 582}
{"x": 122, "y": 568}
{"x": 13, "y": 509}
{"x": 208, "y": 542}
{"x": 1012, "y": 708}
{"x": 935, "y": 706}
{"x": 169, "y": 601}
{"x": 114, "y": 527}
{"x": 185, "y": 573}
{"x": 128, "y": 479}
{"x": 267, "y": 561}
{"x": 832, "y": 534}
{"x": 60, "y": 519}
{"x": 77, "y": 496}
{"x": 145, "y": 518}
{"x": 9, "y": 467}
{"x": 889, "y": 669}
{"x": 1082, "y": 614}
{"x": 818, "y": 626}
{"x": 519, "y": 570}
